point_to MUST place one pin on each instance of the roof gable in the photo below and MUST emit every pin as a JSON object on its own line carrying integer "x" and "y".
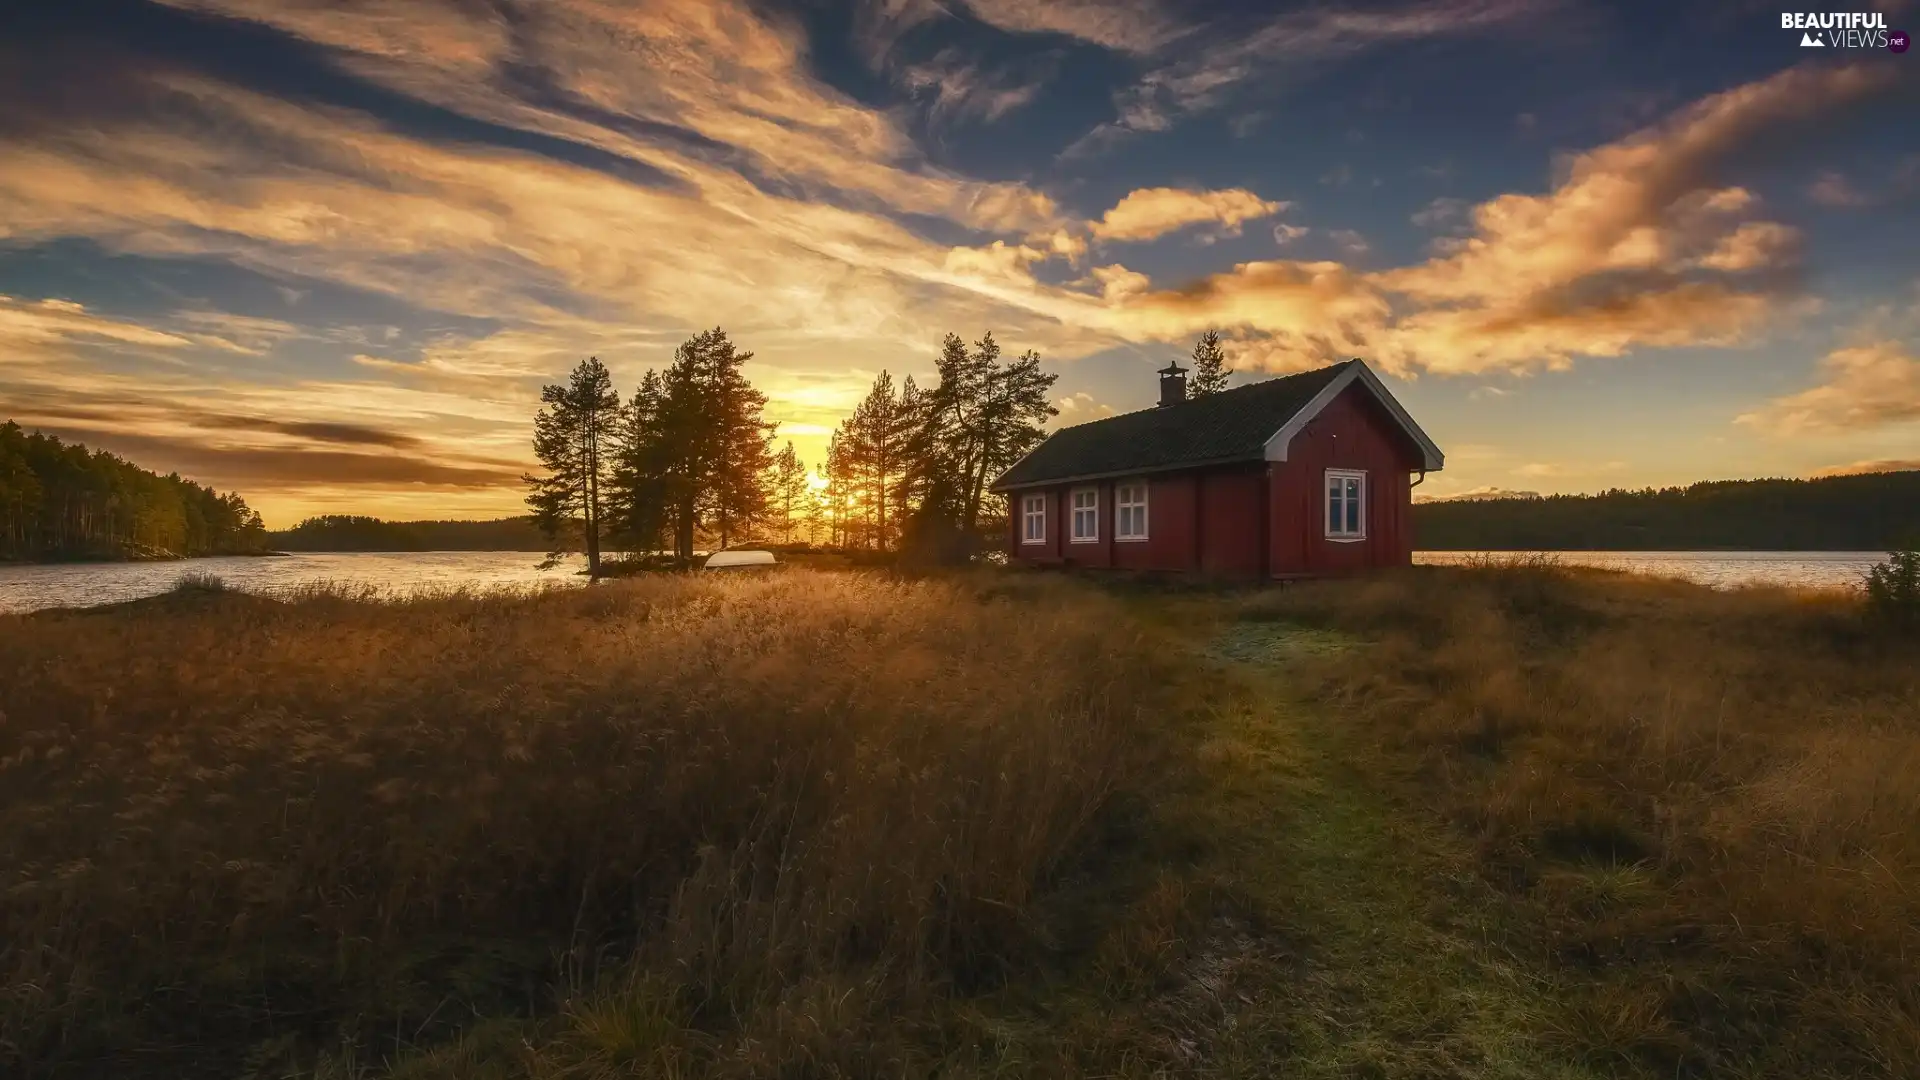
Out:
{"x": 1246, "y": 423}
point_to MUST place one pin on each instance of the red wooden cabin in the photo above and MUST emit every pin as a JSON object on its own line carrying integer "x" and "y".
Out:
{"x": 1303, "y": 476}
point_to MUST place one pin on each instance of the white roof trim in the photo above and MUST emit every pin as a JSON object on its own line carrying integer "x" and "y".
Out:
{"x": 1432, "y": 460}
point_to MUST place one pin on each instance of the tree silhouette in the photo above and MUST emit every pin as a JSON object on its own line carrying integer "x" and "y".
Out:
{"x": 1209, "y": 366}
{"x": 873, "y": 445}
{"x": 695, "y": 451}
{"x": 788, "y": 488}
{"x": 574, "y": 437}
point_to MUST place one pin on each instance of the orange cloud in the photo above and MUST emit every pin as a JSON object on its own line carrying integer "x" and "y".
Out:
{"x": 746, "y": 189}
{"x": 29, "y": 327}
{"x": 1860, "y": 468}
{"x": 1641, "y": 245}
{"x": 1134, "y": 26}
{"x": 1866, "y": 386}
{"x": 1153, "y": 212}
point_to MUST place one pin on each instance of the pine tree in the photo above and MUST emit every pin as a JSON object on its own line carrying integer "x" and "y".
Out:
{"x": 1016, "y": 408}
{"x": 835, "y": 493}
{"x": 60, "y": 500}
{"x": 788, "y": 489}
{"x": 816, "y": 516}
{"x": 736, "y": 494}
{"x": 640, "y": 506}
{"x": 976, "y": 421}
{"x": 873, "y": 442}
{"x": 1210, "y": 369}
{"x": 575, "y": 437}
{"x": 708, "y": 450}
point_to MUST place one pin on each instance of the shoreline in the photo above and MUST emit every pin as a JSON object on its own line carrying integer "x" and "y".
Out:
{"x": 114, "y": 560}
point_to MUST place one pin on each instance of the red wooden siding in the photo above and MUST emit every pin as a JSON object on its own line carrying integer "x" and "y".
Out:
{"x": 1241, "y": 521}
{"x": 1352, "y": 432}
{"x": 1230, "y": 507}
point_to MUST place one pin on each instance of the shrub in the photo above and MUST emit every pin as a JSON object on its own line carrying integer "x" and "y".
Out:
{"x": 198, "y": 581}
{"x": 1893, "y": 588}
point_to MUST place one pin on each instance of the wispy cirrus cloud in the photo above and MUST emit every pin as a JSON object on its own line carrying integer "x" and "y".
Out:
{"x": 1202, "y": 70}
{"x": 1862, "y": 387}
{"x": 1130, "y": 26}
{"x": 29, "y": 327}
{"x": 958, "y": 88}
{"x": 583, "y": 203}
{"x": 1861, "y": 468}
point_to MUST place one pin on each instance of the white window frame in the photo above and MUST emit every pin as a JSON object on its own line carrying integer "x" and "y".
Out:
{"x": 1335, "y": 531}
{"x": 1091, "y": 513}
{"x": 1033, "y": 509}
{"x": 1122, "y": 503}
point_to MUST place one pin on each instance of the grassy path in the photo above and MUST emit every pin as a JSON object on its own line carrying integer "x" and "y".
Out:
{"x": 1361, "y": 952}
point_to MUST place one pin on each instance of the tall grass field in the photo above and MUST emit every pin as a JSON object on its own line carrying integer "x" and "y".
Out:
{"x": 1503, "y": 821}
{"x": 1703, "y": 807}
{"x": 702, "y": 827}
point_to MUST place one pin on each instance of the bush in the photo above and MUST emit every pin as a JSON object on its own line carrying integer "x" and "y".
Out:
{"x": 1893, "y": 588}
{"x": 197, "y": 581}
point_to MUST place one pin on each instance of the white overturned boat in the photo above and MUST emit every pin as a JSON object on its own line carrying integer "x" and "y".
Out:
{"x": 739, "y": 558}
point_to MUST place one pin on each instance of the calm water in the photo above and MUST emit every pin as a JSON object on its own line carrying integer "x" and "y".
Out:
{"x": 29, "y": 588}
{"x": 1720, "y": 569}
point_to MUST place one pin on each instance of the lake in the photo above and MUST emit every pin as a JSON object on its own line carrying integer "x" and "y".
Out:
{"x": 1720, "y": 569}
{"x": 30, "y": 588}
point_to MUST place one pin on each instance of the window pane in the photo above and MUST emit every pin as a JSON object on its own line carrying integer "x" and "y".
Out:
{"x": 1353, "y": 516}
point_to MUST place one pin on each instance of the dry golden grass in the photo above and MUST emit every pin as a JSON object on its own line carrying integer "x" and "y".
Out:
{"x": 687, "y": 826}
{"x": 1704, "y": 805}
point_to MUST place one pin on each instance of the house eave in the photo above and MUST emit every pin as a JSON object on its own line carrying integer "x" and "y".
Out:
{"x": 1431, "y": 459}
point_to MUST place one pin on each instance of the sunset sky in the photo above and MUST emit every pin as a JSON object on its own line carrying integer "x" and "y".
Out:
{"x": 326, "y": 252}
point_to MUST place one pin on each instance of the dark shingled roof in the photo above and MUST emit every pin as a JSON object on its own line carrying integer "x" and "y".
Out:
{"x": 1232, "y": 425}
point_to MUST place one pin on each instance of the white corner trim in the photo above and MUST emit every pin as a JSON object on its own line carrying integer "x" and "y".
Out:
{"x": 1432, "y": 460}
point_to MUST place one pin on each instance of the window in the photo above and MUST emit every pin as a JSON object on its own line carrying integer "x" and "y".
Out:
{"x": 1086, "y": 515}
{"x": 1130, "y": 511}
{"x": 1346, "y": 505}
{"x": 1033, "y": 519}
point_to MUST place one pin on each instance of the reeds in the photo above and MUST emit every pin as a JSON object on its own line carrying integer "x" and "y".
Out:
{"x": 723, "y": 823}
{"x": 1705, "y": 805}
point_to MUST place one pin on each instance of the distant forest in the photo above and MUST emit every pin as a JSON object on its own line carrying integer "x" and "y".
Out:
{"x": 59, "y": 500}
{"x": 1872, "y": 512}
{"x": 342, "y": 532}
